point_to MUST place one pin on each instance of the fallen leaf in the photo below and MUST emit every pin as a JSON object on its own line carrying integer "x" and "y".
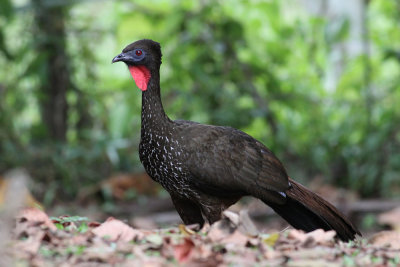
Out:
{"x": 35, "y": 216}
{"x": 237, "y": 238}
{"x": 311, "y": 263}
{"x": 114, "y": 230}
{"x": 99, "y": 251}
{"x": 318, "y": 236}
{"x": 147, "y": 262}
{"x": 125, "y": 247}
{"x": 364, "y": 261}
{"x": 386, "y": 238}
{"x": 183, "y": 252}
{"x": 271, "y": 239}
{"x": 322, "y": 237}
{"x": 297, "y": 235}
{"x": 119, "y": 184}
{"x": 93, "y": 224}
{"x": 82, "y": 239}
{"x": 39, "y": 246}
{"x": 32, "y": 244}
{"x": 391, "y": 218}
{"x": 270, "y": 253}
{"x": 242, "y": 259}
{"x": 155, "y": 239}
{"x": 308, "y": 253}
{"x": 210, "y": 261}
{"x": 14, "y": 192}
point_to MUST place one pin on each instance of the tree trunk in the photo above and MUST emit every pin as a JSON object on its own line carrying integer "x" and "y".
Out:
{"x": 55, "y": 82}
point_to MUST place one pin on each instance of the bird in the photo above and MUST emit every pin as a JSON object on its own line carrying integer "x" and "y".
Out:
{"x": 208, "y": 168}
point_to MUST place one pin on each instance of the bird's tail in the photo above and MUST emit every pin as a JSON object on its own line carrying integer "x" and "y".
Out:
{"x": 307, "y": 211}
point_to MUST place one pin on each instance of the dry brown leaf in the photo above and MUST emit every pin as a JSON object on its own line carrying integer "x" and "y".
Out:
{"x": 119, "y": 184}
{"x": 222, "y": 243}
{"x": 14, "y": 190}
{"x": 32, "y": 244}
{"x": 114, "y": 230}
{"x": 322, "y": 237}
{"x": 311, "y": 263}
{"x": 183, "y": 252}
{"x": 125, "y": 247}
{"x": 99, "y": 251}
{"x": 270, "y": 253}
{"x": 93, "y": 224}
{"x": 82, "y": 239}
{"x": 237, "y": 238}
{"x": 308, "y": 253}
{"x": 35, "y": 216}
{"x": 318, "y": 236}
{"x": 391, "y": 218}
{"x": 365, "y": 260}
{"x": 386, "y": 238}
{"x": 297, "y": 235}
{"x": 212, "y": 261}
{"x": 242, "y": 259}
{"x": 148, "y": 262}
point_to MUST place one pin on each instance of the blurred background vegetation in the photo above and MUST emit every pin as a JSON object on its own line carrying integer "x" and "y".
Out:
{"x": 316, "y": 81}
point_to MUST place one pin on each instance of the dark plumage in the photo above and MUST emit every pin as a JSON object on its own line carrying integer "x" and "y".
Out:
{"x": 207, "y": 168}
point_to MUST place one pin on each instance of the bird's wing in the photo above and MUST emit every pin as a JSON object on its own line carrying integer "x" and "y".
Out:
{"x": 224, "y": 160}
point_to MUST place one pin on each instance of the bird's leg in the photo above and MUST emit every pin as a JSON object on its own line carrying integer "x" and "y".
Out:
{"x": 212, "y": 214}
{"x": 189, "y": 212}
{"x": 212, "y": 207}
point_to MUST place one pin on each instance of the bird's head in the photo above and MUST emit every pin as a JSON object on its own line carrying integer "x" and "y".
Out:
{"x": 143, "y": 59}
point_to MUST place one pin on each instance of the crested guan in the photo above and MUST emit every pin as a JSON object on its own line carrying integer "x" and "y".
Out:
{"x": 208, "y": 168}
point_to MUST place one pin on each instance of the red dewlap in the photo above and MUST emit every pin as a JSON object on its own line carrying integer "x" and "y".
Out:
{"x": 141, "y": 75}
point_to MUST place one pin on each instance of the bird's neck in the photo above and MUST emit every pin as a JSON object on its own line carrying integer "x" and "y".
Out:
{"x": 153, "y": 114}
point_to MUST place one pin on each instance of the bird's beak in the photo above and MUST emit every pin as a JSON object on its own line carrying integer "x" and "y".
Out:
{"x": 120, "y": 57}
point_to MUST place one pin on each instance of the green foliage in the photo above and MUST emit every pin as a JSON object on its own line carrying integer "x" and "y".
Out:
{"x": 59, "y": 226}
{"x": 76, "y": 250}
{"x": 369, "y": 222}
{"x": 47, "y": 253}
{"x": 83, "y": 228}
{"x": 67, "y": 219}
{"x": 261, "y": 66}
{"x": 64, "y": 223}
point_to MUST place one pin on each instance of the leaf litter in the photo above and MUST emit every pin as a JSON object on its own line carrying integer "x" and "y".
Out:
{"x": 232, "y": 241}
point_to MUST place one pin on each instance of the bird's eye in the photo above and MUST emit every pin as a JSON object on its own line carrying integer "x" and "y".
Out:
{"x": 138, "y": 52}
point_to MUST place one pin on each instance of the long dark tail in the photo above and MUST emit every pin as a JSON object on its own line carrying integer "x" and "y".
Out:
{"x": 307, "y": 211}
